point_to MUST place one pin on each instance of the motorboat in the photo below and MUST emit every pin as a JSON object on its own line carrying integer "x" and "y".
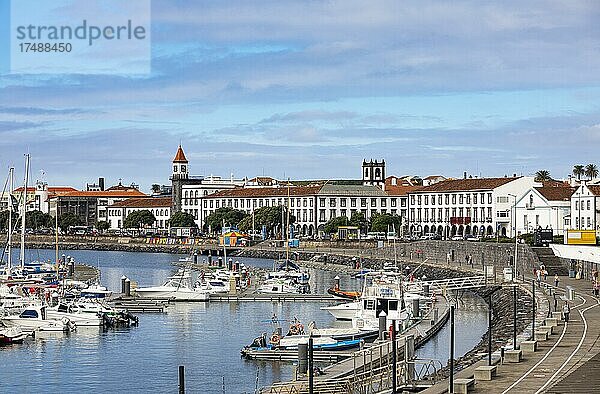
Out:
{"x": 75, "y": 315}
{"x": 11, "y": 335}
{"x": 344, "y": 294}
{"x": 386, "y": 297}
{"x": 279, "y": 286}
{"x": 176, "y": 288}
{"x": 345, "y": 311}
{"x": 35, "y": 318}
{"x": 289, "y": 270}
{"x": 96, "y": 291}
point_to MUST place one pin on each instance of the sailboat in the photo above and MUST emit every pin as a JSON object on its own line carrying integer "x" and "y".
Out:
{"x": 287, "y": 276}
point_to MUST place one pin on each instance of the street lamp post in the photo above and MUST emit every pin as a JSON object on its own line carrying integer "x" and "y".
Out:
{"x": 516, "y": 239}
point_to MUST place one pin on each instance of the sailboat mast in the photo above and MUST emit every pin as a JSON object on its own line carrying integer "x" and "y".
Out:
{"x": 287, "y": 227}
{"x": 11, "y": 176}
{"x": 22, "y": 254}
{"x": 56, "y": 239}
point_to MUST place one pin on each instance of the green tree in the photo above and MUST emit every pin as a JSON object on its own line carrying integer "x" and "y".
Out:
{"x": 102, "y": 225}
{"x": 591, "y": 171}
{"x": 182, "y": 219}
{"x": 332, "y": 225}
{"x": 4, "y": 219}
{"x": 385, "y": 222}
{"x": 38, "y": 219}
{"x": 270, "y": 217}
{"x": 578, "y": 171}
{"x": 359, "y": 220}
{"x": 67, "y": 220}
{"x": 229, "y": 216}
{"x": 139, "y": 219}
{"x": 542, "y": 175}
{"x": 155, "y": 188}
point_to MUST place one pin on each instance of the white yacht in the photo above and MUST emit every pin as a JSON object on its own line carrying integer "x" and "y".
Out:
{"x": 75, "y": 315}
{"x": 96, "y": 291}
{"x": 279, "y": 286}
{"x": 34, "y": 318}
{"x": 176, "y": 288}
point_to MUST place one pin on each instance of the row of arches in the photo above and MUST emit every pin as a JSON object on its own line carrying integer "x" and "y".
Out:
{"x": 449, "y": 231}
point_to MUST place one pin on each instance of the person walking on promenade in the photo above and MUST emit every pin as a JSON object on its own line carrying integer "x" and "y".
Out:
{"x": 556, "y": 280}
{"x": 566, "y": 311}
{"x": 538, "y": 276}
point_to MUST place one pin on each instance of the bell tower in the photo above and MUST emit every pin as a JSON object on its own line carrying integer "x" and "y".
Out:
{"x": 180, "y": 173}
{"x": 373, "y": 172}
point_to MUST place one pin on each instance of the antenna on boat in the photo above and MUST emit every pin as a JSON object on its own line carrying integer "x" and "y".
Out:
{"x": 287, "y": 227}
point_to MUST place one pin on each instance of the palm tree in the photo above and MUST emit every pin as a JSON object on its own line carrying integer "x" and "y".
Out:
{"x": 591, "y": 171}
{"x": 578, "y": 171}
{"x": 542, "y": 175}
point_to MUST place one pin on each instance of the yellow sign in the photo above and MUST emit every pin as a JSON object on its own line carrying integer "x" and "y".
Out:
{"x": 581, "y": 237}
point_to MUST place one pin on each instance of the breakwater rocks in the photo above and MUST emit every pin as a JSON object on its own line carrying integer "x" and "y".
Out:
{"x": 130, "y": 247}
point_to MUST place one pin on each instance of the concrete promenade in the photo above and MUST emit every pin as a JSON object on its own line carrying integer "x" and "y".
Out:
{"x": 568, "y": 362}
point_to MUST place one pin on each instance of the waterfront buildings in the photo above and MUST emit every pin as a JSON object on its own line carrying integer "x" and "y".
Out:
{"x": 160, "y": 207}
{"x": 585, "y": 207}
{"x": 547, "y": 206}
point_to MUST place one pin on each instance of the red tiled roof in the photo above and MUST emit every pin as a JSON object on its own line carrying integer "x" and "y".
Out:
{"x": 107, "y": 193}
{"x": 465, "y": 184}
{"x": 556, "y": 193}
{"x": 154, "y": 202}
{"x": 400, "y": 190}
{"x": 595, "y": 189}
{"x": 51, "y": 189}
{"x": 180, "y": 156}
{"x": 267, "y": 192}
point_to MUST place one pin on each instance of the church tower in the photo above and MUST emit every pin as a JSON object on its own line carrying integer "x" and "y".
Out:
{"x": 178, "y": 177}
{"x": 373, "y": 172}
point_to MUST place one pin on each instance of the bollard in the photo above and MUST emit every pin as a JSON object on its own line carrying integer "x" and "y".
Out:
{"x": 336, "y": 282}
{"x": 426, "y": 290}
{"x": 71, "y": 267}
{"x": 195, "y": 258}
{"x": 230, "y": 265}
{"x": 220, "y": 262}
{"x": 236, "y": 265}
{"x": 302, "y": 358}
{"x": 127, "y": 287}
{"x": 181, "y": 379}
{"x": 382, "y": 325}
{"x": 209, "y": 258}
{"x": 123, "y": 278}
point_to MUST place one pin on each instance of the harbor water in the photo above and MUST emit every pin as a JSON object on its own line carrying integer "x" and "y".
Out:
{"x": 204, "y": 337}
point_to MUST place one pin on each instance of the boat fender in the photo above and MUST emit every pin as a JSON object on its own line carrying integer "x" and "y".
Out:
{"x": 275, "y": 338}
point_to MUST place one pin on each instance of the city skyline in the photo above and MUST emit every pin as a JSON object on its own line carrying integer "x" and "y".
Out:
{"x": 307, "y": 91}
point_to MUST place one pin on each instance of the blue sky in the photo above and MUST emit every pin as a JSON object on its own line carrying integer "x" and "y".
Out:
{"x": 308, "y": 89}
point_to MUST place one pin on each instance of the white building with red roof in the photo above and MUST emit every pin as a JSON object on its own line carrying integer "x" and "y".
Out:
{"x": 160, "y": 207}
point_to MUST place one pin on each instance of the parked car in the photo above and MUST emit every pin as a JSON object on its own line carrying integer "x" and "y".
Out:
{"x": 457, "y": 238}
{"x": 471, "y": 237}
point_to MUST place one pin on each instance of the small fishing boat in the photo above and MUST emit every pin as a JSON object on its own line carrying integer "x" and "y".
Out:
{"x": 344, "y": 294}
{"x": 80, "y": 319}
{"x": 279, "y": 286}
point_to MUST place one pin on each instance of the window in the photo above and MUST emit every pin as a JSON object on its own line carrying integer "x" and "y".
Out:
{"x": 304, "y": 202}
{"x": 412, "y": 214}
{"x": 321, "y": 215}
{"x": 489, "y": 198}
{"x": 331, "y": 213}
{"x": 468, "y": 196}
{"x": 460, "y": 212}
{"x": 499, "y": 199}
{"x": 373, "y": 202}
{"x": 474, "y": 198}
{"x": 363, "y": 202}
{"x": 211, "y": 203}
{"x": 426, "y": 200}
{"x": 332, "y": 202}
{"x": 489, "y": 211}
{"x": 353, "y": 202}
{"x": 454, "y": 199}
{"x": 412, "y": 200}
{"x": 403, "y": 202}
{"x": 432, "y": 200}
{"x": 342, "y": 212}
{"x": 174, "y": 168}
{"x": 589, "y": 222}
{"x": 393, "y": 202}
{"x": 460, "y": 199}
{"x": 426, "y": 214}
{"x": 419, "y": 200}
{"x": 588, "y": 206}
{"x": 342, "y": 202}
{"x": 418, "y": 214}
{"x": 440, "y": 199}
{"x": 447, "y": 199}
{"x": 576, "y": 205}
{"x": 321, "y": 202}
{"x": 292, "y": 202}
{"x": 383, "y": 202}
{"x": 482, "y": 198}
{"x": 537, "y": 220}
{"x": 182, "y": 168}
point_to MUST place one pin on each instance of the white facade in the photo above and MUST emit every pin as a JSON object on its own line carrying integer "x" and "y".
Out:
{"x": 585, "y": 208}
{"x": 467, "y": 206}
{"x": 160, "y": 207}
{"x": 192, "y": 194}
{"x": 543, "y": 207}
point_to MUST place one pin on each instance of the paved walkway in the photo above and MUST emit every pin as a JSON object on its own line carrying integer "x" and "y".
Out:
{"x": 569, "y": 362}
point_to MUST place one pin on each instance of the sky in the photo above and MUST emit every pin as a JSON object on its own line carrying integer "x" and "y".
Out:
{"x": 308, "y": 89}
